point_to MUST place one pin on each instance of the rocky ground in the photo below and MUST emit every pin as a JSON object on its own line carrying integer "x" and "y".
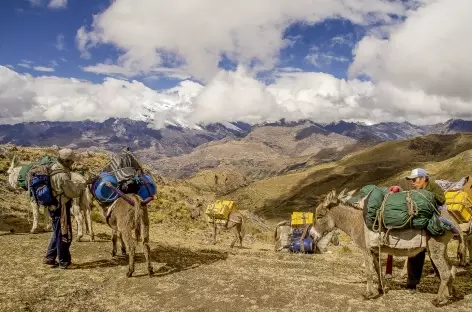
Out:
{"x": 194, "y": 276}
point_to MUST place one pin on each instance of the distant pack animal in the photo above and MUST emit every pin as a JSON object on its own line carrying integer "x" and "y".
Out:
{"x": 80, "y": 206}
{"x": 334, "y": 213}
{"x": 234, "y": 223}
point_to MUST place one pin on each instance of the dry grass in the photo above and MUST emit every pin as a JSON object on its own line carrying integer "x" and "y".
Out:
{"x": 384, "y": 164}
{"x": 190, "y": 274}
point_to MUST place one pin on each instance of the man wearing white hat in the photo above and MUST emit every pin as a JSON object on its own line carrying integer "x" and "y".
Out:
{"x": 420, "y": 180}
{"x": 63, "y": 189}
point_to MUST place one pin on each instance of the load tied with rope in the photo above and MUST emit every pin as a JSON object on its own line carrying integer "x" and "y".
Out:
{"x": 384, "y": 211}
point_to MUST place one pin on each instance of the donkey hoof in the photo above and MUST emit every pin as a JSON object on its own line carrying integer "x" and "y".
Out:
{"x": 79, "y": 238}
{"x": 34, "y": 231}
{"x": 129, "y": 274}
{"x": 370, "y": 296}
{"x": 92, "y": 238}
{"x": 150, "y": 272}
{"x": 437, "y": 302}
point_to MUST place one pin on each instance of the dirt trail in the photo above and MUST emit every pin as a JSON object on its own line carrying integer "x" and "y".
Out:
{"x": 195, "y": 277}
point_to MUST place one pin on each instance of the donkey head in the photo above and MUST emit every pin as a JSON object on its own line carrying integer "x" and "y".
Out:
{"x": 325, "y": 222}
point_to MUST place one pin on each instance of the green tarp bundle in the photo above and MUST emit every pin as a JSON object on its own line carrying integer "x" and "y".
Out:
{"x": 409, "y": 209}
{"x": 45, "y": 161}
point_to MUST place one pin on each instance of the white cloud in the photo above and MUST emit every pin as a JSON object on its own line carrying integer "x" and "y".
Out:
{"x": 60, "y": 42}
{"x": 112, "y": 69}
{"x": 236, "y": 96}
{"x": 342, "y": 40}
{"x": 35, "y": 2}
{"x": 420, "y": 68}
{"x": 319, "y": 59}
{"x": 25, "y": 65}
{"x": 428, "y": 53}
{"x": 199, "y": 32}
{"x": 230, "y": 96}
{"x": 54, "y": 63}
{"x": 43, "y": 69}
{"x": 52, "y": 4}
{"x": 57, "y": 4}
{"x": 28, "y": 98}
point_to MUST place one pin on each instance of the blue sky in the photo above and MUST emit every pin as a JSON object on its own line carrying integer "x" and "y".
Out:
{"x": 245, "y": 60}
{"x": 36, "y": 35}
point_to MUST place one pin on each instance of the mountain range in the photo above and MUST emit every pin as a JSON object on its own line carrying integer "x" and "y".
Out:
{"x": 254, "y": 151}
{"x": 113, "y": 134}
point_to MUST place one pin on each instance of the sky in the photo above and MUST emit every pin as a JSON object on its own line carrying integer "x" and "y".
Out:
{"x": 201, "y": 61}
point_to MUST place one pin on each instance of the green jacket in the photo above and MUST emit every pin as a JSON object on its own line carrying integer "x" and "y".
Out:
{"x": 434, "y": 188}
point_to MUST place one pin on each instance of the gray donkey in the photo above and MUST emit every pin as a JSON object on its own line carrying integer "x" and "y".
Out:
{"x": 334, "y": 213}
{"x": 234, "y": 223}
{"x": 130, "y": 223}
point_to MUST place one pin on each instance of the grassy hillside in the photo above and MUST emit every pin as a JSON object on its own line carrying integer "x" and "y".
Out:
{"x": 180, "y": 204}
{"x": 176, "y": 203}
{"x": 445, "y": 156}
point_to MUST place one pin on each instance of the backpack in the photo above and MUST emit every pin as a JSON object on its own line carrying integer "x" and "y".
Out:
{"x": 40, "y": 186}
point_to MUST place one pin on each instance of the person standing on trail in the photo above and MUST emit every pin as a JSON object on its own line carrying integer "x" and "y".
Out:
{"x": 63, "y": 190}
{"x": 420, "y": 180}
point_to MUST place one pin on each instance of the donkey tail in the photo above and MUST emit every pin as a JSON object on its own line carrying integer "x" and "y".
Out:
{"x": 138, "y": 216}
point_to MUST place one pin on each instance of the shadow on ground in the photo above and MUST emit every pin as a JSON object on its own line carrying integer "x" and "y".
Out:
{"x": 430, "y": 282}
{"x": 10, "y": 224}
{"x": 170, "y": 259}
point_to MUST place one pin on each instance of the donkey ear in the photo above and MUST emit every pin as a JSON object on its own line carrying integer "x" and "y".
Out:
{"x": 351, "y": 193}
{"x": 331, "y": 196}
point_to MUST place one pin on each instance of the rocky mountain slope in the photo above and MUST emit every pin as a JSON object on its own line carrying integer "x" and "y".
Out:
{"x": 444, "y": 156}
{"x": 174, "y": 140}
{"x": 265, "y": 151}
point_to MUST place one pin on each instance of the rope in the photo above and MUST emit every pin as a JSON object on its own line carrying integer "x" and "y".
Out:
{"x": 380, "y": 222}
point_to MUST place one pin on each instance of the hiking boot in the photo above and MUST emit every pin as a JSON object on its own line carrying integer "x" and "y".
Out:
{"x": 50, "y": 262}
{"x": 68, "y": 266}
{"x": 411, "y": 288}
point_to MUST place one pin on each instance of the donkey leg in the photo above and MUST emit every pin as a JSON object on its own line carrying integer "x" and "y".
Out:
{"x": 369, "y": 267}
{"x": 145, "y": 235}
{"x": 131, "y": 246}
{"x": 404, "y": 271}
{"x": 123, "y": 245}
{"x": 240, "y": 236}
{"x": 235, "y": 233}
{"x": 468, "y": 251}
{"x": 35, "y": 208}
{"x": 88, "y": 219}
{"x": 438, "y": 254}
{"x": 78, "y": 219}
{"x": 214, "y": 233}
{"x": 47, "y": 220}
{"x": 113, "y": 241}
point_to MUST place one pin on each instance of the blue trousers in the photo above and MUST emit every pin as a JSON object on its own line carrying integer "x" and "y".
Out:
{"x": 57, "y": 245}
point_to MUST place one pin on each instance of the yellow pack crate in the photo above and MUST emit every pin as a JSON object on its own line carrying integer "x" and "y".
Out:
{"x": 220, "y": 210}
{"x": 459, "y": 204}
{"x": 301, "y": 218}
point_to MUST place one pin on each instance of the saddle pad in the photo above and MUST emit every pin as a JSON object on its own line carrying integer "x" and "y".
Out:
{"x": 400, "y": 239}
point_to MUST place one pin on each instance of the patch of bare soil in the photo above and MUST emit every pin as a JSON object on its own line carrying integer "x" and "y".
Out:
{"x": 193, "y": 276}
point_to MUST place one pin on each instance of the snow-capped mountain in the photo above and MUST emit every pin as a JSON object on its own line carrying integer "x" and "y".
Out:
{"x": 178, "y": 138}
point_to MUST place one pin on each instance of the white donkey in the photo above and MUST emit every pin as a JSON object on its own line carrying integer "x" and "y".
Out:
{"x": 81, "y": 206}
